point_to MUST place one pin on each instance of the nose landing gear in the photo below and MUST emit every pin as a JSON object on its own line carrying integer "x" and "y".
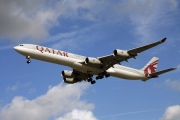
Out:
{"x": 28, "y": 59}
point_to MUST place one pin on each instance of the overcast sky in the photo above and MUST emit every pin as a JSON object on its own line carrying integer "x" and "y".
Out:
{"x": 91, "y": 28}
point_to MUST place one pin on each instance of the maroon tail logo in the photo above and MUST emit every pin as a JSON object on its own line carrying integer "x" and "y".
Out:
{"x": 151, "y": 68}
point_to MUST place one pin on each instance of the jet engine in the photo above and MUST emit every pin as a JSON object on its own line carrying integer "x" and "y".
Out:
{"x": 70, "y": 80}
{"x": 67, "y": 74}
{"x": 90, "y": 60}
{"x": 69, "y": 77}
{"x": 121, "y": 53}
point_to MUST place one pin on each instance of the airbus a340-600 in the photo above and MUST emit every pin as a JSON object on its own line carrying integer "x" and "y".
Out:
{"x": 88, "y": 68}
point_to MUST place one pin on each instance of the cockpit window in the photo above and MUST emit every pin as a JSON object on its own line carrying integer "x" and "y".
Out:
{"x": 21, "y": 45}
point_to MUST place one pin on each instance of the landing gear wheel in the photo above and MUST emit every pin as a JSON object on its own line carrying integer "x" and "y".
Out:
{"x": 101, "y": 77}
{"x": 89, "y": 79}
{"x": 28, "y": 61}
{"x": 107, "y": 75}
{"x": 93, "y": 82}
{"x": 97, "y": 78}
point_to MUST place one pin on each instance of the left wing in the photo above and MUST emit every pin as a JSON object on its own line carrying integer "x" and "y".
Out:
{"x": 123, "y": 55}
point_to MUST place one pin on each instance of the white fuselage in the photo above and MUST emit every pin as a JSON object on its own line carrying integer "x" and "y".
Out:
{"x": 76, "y": 62}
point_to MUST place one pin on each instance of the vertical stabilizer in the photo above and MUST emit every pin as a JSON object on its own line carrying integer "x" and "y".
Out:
{"x": 151, "y": 66}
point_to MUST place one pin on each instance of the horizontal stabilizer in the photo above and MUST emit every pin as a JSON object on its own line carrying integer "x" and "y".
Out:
{"x": 156, "y": 74}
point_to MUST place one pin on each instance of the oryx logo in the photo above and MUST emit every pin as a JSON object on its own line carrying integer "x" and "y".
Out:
{"x": 151, "y": 68}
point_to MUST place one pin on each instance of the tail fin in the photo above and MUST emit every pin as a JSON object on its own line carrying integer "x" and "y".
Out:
{"x": 151, "y": 66}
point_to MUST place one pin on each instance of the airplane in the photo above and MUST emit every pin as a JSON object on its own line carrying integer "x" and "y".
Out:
{"x": 86, "y": 68}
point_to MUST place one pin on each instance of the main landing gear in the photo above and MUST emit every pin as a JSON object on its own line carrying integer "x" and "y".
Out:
{"x": 28, "y": 59}
{"x": 100, "y": 76}
{"x": 91, "y": 80}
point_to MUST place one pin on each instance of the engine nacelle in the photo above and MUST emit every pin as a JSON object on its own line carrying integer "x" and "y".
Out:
{"x": 121, "y": 53}
{"x": 67, "y": 74}
{"x": 94, "y": 61}
{"x": 70, "y": 80}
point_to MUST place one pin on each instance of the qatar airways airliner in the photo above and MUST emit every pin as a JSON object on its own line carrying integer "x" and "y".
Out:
{"x": 89, "y": 68}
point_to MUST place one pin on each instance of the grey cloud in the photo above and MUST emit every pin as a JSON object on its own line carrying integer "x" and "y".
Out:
{"x": 24, "y": 19}
{"x": 146, "y": 17}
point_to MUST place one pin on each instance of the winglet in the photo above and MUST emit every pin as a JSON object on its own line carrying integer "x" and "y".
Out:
{"x": 164, "y": 39}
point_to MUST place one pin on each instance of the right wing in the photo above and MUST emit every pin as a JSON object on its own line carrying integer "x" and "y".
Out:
{"x": 123, "y": 55}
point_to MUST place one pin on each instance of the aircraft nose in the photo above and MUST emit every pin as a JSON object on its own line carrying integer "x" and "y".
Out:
{"x": 16, "y": 48}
